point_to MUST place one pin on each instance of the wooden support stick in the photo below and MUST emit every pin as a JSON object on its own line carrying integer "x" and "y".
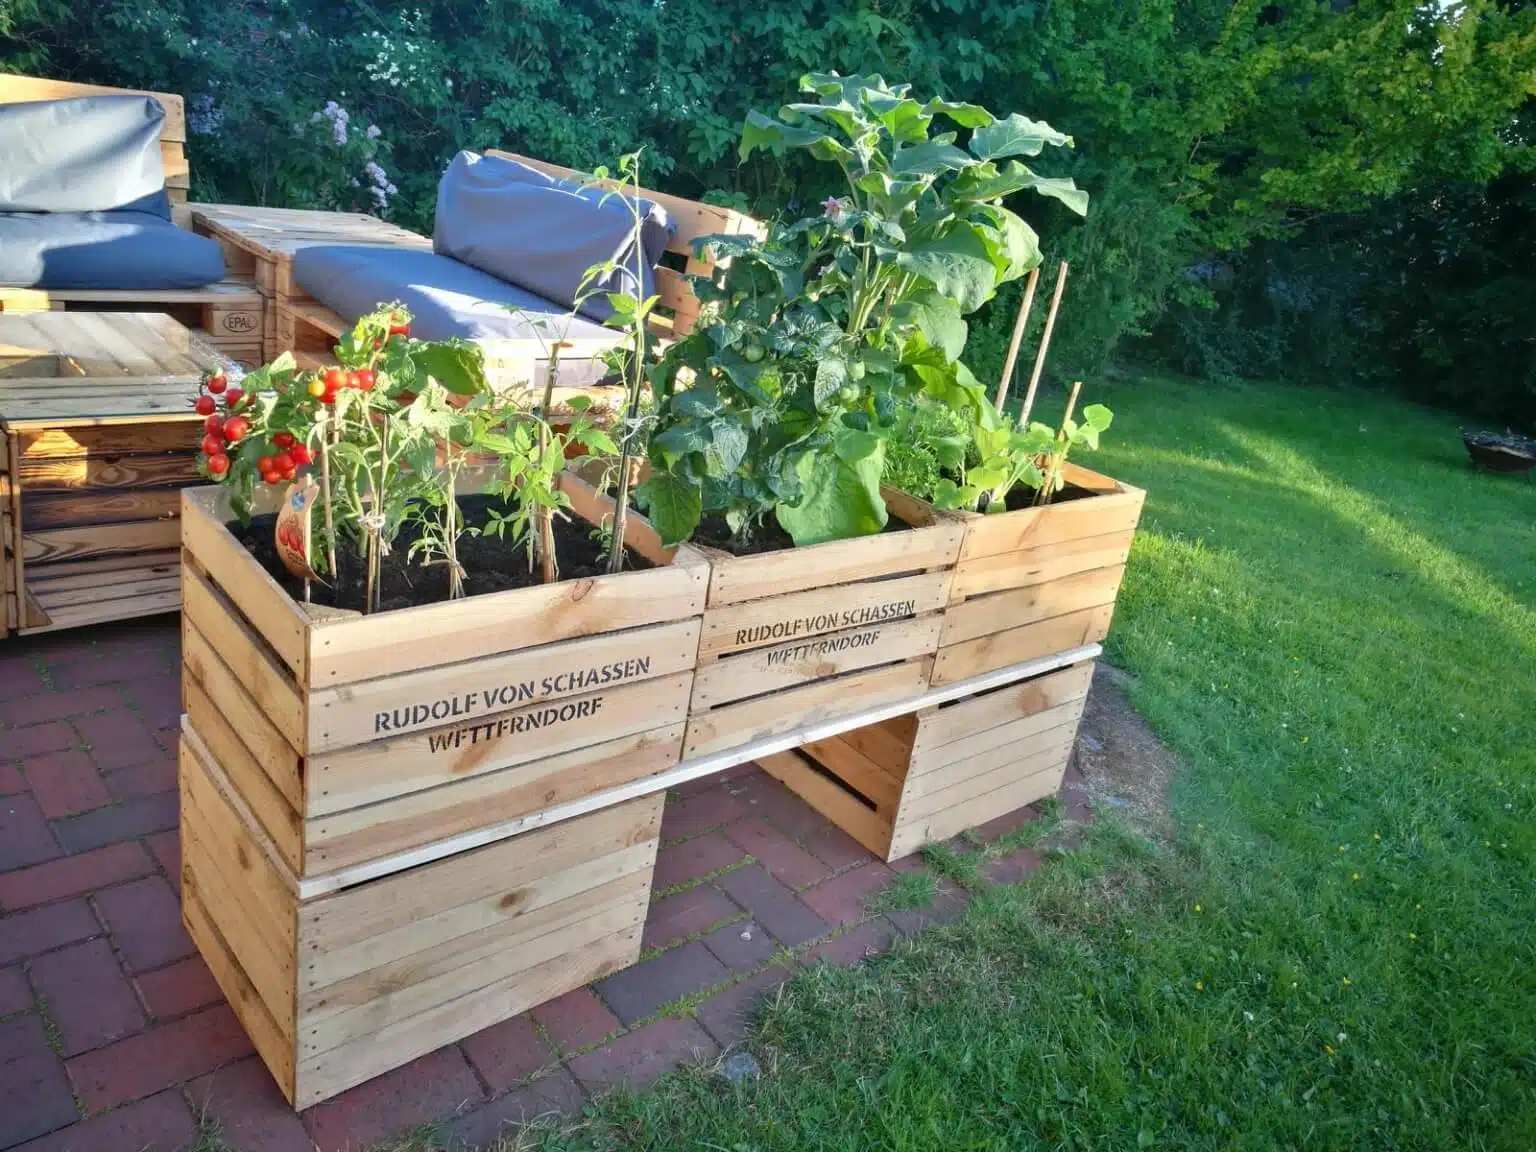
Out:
{"x": 1059, "y": 452}
{"x": 1045, "y": 343}
{"x": 1018, "y": 337}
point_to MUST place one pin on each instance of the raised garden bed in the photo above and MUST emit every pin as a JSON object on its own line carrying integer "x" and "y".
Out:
{"x": 915, "y": 779}
{"x": 354, "y": 739}
{"x": 338, "y": 988}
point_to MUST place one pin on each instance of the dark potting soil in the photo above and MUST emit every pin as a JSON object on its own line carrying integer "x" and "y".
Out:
{"x": 490, "y": 565}
{"x": 1021, "y": 496}
{"x": 767, "y": 537}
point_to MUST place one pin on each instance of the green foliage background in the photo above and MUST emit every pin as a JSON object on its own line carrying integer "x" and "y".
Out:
{"x": 1319, "y": 190}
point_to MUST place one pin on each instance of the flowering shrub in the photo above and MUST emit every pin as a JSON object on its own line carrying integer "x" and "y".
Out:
{"x": 339, "y": 166}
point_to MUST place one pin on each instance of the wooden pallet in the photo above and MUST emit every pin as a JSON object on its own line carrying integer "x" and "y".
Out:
{"x": 336, "y": 989}
{"x": 356, "y": 739}
{"x": 803, "y": 635}
{"x": 917, "y": 779}
{"x": 96, "y": 414}
{"x": 1038, "y": 580}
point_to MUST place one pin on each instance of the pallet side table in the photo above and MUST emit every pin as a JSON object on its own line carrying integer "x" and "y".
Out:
{"x": 99, "y": 436}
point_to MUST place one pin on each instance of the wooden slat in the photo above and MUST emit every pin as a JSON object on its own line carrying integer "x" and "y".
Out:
{"x": 106, "y": 444}
{"x": 55, "y": 511}
{"x": 1038, "y": 565}
{"x": 1019, "y": 606}
{"x": 889, "y": 745}
{"x": 1009, "y": 797}
{"x": 1053, "y": 524}
{"x": 233, "y": 291}
{"x": 801, "y": 615}
{"x": 55, "y": 544}
{"x": 368, "y": 773}
{"x": 1018, "y": 645}
{"x": 106, "y": 588}
{"x": 246, "y": 584}
{"x": 949, "y": 784}
{"x": 127, "y": 473}
{"x": 783, "y": 666}
{"x": 737, "y": 724}
{"x": 391, "y": 643}
{"x": 734, "y": 579}
{"x": 947, "y": 724}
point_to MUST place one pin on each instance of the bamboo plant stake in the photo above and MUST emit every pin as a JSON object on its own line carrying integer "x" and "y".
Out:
{"x": 1045, "y": 343}
{"x": 549, "y": 571}
{"x": 325, "y": 495}
{"x": 1048, "y": 487}
{"x": 632, "y": 408}
{"x": 1017, "y": 339}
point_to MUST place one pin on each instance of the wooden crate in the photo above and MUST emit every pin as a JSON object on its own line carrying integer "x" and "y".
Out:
{"x": 805, "y": 635}
{"x": 96, "y": 415}
{"x": 340, "y": 988}
{"x": 931, "y": 775}
{"x": 1039, "y": 580}
{"x": 361, "y": 743}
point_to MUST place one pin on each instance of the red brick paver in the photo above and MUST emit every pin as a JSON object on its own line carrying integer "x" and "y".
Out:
{"x": 105, "y": 1007}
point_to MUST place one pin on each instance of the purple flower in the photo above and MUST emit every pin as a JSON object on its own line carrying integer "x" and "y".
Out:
{"x": 373, "y": 132}
{"x": 832, "y": 208}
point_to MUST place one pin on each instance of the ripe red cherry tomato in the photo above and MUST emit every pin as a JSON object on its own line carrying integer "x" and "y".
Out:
{"x": 235, "y": 428}
{"x": 399, "y": 329}
{"x": 204, "y": 406}
{"x": 364, "y": 379}
{"x": 218, "y": 464}
{"x": 283, "y": 439}
{"x": 266, "y": 464}
{"x": 300, "y": 454}
{"x": 282, "y": 462}
{"x": 214, "y": 426}
{"x": 212, "y": 446}
{"x": 217, "y": 383}
{"x": 233, "y": 399}
{"x": 289, "y": 472}
{"x": 335, "y": 379}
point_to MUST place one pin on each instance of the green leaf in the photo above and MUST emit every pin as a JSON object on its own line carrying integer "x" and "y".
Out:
{"x": 937, "y": 318}
{"x": 700, "y": 402}
{"x": 1097, "y": 417}
{"x": 907, "y": 121}
{"x": 1020, "y": 244}
{"x": 1016, "y": 136}
{"x": 965, "y": 115}
{"x": 679, "y": 440}
{"x": 728, "y": 447}
{"x": 948, "y": 494}
{"x": 929, "y": 159}
{"x": 838, "y": 499}
{"x": 1063, "y": 189}
{"x": 959, "y": 264}
{"x": 459, "y": 367}
{"x": 672, "y": 505}
{"x": 765, "y": 132}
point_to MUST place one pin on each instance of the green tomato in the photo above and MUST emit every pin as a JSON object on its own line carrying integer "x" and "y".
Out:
{"x": 753, "y": 352}
{"x": 847, "y": 393}
{"x": 856, "y": 370}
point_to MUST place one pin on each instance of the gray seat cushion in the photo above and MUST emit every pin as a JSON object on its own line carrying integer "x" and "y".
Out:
{"x": 446, "y": 298}
{"x": 87, "y": 154}
{"x": 129, "y": 251}
{"x": 543, "y": 234}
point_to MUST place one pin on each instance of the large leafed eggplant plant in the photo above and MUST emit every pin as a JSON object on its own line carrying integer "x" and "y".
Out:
{"x": 813, "y": 338}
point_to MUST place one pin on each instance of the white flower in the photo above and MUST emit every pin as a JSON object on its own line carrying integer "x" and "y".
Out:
{"x": 373, "y": 132}
{"x": 339, "y": 131}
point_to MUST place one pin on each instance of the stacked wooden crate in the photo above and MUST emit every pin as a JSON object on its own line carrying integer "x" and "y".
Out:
{"x": 381, "y": 782}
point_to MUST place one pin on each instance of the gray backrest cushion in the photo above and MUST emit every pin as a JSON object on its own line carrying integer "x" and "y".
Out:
{"x": 120, "y": 251}
{"x": 87, "y": 154}
{"x": 542, "y": 234}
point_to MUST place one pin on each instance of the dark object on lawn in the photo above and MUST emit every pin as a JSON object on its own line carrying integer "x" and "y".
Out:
{"x": 1505, "y": 452}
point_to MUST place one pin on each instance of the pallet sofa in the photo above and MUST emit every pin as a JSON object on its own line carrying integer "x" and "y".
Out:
{"x": 309, "y": 326}
{"x": 228, "y": 313}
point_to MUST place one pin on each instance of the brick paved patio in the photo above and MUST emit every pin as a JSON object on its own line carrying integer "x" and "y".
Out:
{"x": 113, "y": 1035}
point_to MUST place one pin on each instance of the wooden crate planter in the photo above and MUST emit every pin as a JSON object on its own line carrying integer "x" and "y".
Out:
{"x": 1039, "y": 580}
{"x": 364, "y": 743}
{"x": 342, "y": 987}
{"x": 931, "y": 775}
{"x": 804, "y": 635}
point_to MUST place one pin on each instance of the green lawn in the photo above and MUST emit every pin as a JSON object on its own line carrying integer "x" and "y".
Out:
{"x": 1330, "y": 618}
